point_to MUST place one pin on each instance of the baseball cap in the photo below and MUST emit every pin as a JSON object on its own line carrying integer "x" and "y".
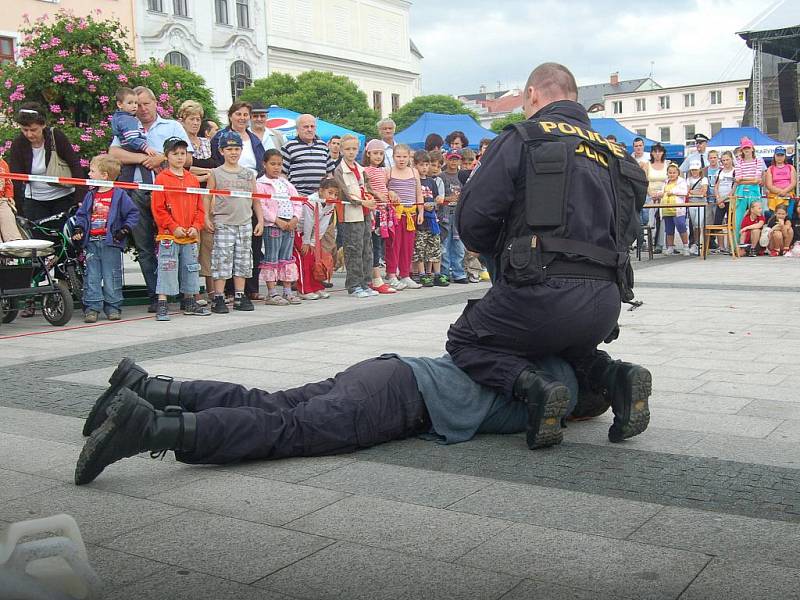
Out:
{"x": 700, "y": 137}
{"x": 453, "y": 155}
{"x": 746, "y": 142}
{"x": 695, "y": 163}
{"x": 373, "y": 145}
{"x": 780, "y": 150}
{"x": 230, "y": 139}
{"x": 258, "y": 107}
{"x": 173, "y": 142}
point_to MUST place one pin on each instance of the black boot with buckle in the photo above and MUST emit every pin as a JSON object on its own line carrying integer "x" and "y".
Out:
{"x": 547, "y": 400}
{"x": 133, "y": 426}
{"x": 160, "y": 391}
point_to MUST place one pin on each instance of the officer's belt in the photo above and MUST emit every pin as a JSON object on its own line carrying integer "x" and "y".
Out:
{"x": 603, "y": 265}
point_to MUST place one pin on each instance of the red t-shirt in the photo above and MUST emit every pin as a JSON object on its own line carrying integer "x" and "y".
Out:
{"x": 98, "y": 225}
{"x": 747, "y": 221}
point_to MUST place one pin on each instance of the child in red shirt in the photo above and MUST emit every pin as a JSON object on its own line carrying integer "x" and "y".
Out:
{"x": 750, "y": 230}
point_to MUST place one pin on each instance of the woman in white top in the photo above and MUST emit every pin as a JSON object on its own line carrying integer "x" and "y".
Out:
{"x": 656, "y": 171}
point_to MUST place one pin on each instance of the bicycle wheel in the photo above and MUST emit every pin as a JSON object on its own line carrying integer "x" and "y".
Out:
{"x": 57, "y": 306}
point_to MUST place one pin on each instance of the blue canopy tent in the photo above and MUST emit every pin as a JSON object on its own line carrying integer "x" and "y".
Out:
{"x": 414, "y": 135}
{"x": 607, "y": 126}
{"x": 729, "y": 138}
{"x": 284, "y": 120}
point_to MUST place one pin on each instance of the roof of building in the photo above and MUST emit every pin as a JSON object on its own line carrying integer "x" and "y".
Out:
{"x": 505, "y": 104}
{"x": 778, "y": 29}
{"x": 595, "y": 94}
{"x": 689, "y": 85}
{"x": 483, "y": 95}
{"x": 414, "y": 49}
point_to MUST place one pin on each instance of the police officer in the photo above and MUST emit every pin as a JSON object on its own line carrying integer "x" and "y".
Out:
{"x": 557, "y": 205}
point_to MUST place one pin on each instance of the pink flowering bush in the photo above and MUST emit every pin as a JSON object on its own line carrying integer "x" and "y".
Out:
{"x": 73, "y": 65}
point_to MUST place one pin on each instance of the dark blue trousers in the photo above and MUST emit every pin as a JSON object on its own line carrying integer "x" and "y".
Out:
{"x": 372, "y": 402}
{"x": 498, "y": 336}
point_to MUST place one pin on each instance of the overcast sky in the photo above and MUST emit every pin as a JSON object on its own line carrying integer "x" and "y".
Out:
{"x": 472, "y": 42}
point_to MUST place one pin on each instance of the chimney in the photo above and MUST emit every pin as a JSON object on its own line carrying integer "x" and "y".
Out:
{"x": 615, "y": 78}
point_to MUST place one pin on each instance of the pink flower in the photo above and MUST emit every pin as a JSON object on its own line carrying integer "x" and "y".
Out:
{"x": 163, "y": 98}
{"x": 70, "y": 28}
{"x": 63, "y": 53}
{"x": 144, "y": 73}
{"x": 110, "y": 66}
{"x": 92, "y": 88}
{"x": 164, "y": 85}
{"x": 61, "y": 120}
{"x": 8, "y": 84}
{"x": 178, "y": 85}
{"x": 122, "y": 77}
{"x": 16, "y": 96}
{"x": 83, "y": 24}
{"x": 58, "y": 68}
{"x": 55, "y": 108}
{"x": 99, "y": 132}
{"x": 103, "y": 99}
{"x": 72, "y": 80}
{"x": 54, "y": 41}
{"x": 85, "y": 161}
{"x": 86, "y": 137}
{"x": 44, "y": 46}
{"x": 76, "y": 148}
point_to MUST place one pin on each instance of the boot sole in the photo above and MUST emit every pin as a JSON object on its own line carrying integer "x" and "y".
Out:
{"x": 639, "y": 385}
{"x": 115, "y": 382}
{"x": 88, "y": 467}
{"x": 549, "y": 432}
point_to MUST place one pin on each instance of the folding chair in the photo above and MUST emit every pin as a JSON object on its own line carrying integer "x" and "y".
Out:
{"x": 725, "y": 231}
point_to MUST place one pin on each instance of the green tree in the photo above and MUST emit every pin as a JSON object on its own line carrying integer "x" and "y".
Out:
{"x": 330, "y": 97}
{"x": 499, "y": 124}
{"x": 445, "y": 105}
{"x": 73, "y": 65}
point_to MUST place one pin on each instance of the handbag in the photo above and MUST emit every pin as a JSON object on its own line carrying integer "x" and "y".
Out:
{"x": 57, "y": 167}
{"x": 764, "y": 241}
{"x": 323, "y": 261}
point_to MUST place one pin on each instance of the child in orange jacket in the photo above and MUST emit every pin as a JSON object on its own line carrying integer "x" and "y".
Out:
{"x": 179, "y": 218}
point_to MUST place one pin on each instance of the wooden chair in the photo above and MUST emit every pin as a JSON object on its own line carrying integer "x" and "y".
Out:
{"x": 726, "y": 231}
{"x": 647, "y": 237}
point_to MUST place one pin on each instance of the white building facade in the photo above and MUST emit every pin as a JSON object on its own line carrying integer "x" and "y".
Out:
{"x": 367, "y": 41}
{"x": 224, "y": 41}
{"x": 675, "y": 114}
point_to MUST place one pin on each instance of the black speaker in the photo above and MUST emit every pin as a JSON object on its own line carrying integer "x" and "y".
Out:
{"x": 787, "y": 91}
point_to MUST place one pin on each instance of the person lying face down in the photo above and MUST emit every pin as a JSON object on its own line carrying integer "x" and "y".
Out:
{"x": 374, "y": 401}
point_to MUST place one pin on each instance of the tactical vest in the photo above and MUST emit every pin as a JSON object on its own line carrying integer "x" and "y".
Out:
{"x": 537, "y": 237}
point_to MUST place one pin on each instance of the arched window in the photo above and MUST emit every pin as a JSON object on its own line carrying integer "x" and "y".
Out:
{"x": 177, "y": 58}
{"x": 241, "y": 77}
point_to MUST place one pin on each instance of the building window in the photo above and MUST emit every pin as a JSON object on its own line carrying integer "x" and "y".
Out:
{"x": 688, "y": 100}
{"x": 663, "y": 102}
{"x": 155, "y": 5}
{"x": 665, "y": 134}
{"x": 688, "y": 132}
{"x": 243, "y": 13}
{"x": 617, "y": 104}
{"x": 178, "y": 59}
{"x": 641, "y": 104}
{"x": 6, "y": 49}
{"x": 241, "y": 77}
{"x": 715, "y": 127}
{"x": 180, "y": 8}
{"x": 641, "y": 132}
{"x": 741, "y": 95}
{"x": 716, "y": 97}
{"x": 395, "y": 102}
{"x": 221, "y": 11}
{"x": 377, "y": 101}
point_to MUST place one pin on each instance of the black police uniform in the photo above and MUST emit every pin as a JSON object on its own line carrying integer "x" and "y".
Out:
{"x": 557, "y": 206}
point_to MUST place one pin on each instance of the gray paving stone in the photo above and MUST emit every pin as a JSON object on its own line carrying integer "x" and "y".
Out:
{"x": 412, "y": 529}
{"x": 787, "y": 432}
{"x": 754, "y": 391}
{"x": 756, "y": 427}
{"x": 118, "y": 569}
{"x": 356, "y": 572}
{"x": 528, "y": 590}
{"x": 100, "y": 515}
{"x": 229, "y": 548}
{"x": 29, "y": 455}
{"x": 699, "y": 403}
{"x": 15, "y": 485}
{"x": 772, "y": 409}
{"x": 290, "y": 470}
{"x": 726, "y": 536}
{"x": 250, "y": 498}
{"x": 744, "y": 580}
{"x": 39, "y": 425}
{"x": 769, "y": 379}
{"x": 403, "y": 484}
{"x": 748, "y": 450}
{"x": 182, "y": 584}
{"x": 578, "y": 560}
{"x": 559, "y": 509}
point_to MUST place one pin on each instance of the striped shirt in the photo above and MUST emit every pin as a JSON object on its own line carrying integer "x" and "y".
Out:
{"x": 749, "y": 169}
{"x": 305, "y": 165}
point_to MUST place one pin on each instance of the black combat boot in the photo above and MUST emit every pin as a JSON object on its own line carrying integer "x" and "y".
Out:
{"x": 547, "y": 400}
{"x": 160, "y": 391}
{"x": 131, "y": 427}
{"x": 624, "y": 386}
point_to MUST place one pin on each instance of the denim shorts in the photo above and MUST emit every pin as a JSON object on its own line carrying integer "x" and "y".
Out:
{"x": 178, "y": 268}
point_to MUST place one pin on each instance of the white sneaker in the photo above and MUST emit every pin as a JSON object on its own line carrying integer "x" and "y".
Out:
{"x": 694, "y": 250}
{"x": 395, "y": 283}
{"x": 371, "y": 292}
{"x": 410, "y": 283}
{"x": 359, "y": 293}
{"x": 323, "y": 295}
{"x": 311, "y": 296}
{"x": 685, "y": 251}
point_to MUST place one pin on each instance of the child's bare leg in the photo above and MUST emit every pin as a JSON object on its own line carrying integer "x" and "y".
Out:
{"x": 238, "y": 284}
{"x": 436, "y": 266}
{"x": 755, "y": 237}
{"x": 670, "y": 241}
{"x": 776, "y": 239}
{"x": 219, "y": 287}
{"x": 788, "y": 237}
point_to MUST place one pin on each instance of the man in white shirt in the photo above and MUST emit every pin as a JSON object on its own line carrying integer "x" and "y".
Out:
{"x": 700, "y": 151}
{"x": 270, "y": 138}
{"x": 639, "y": 155}
{"x": 386, "y": 129}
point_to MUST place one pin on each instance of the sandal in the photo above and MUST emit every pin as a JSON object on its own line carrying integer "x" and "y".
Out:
{"x": 292, "y": 299}
{"x": 276, "y": 300}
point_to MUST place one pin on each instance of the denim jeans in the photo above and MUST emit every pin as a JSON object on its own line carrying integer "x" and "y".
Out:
{"x": 102, "y": 282}
{"x": 178, "y": 269}
{"x": 144, "y": 236}
{"x": 452, "y": 256}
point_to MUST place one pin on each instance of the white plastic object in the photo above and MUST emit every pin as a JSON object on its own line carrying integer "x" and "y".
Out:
{"x": 46, "y": 568}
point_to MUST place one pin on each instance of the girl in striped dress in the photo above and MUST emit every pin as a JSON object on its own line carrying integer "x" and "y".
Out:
{"x": 748, "y": 173}
{"x": 384, "y": 221}
{"x": 402, "y": 181}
